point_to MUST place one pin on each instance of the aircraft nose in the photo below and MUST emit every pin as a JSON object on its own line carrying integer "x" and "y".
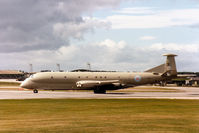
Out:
{"x": 25, "y": 84}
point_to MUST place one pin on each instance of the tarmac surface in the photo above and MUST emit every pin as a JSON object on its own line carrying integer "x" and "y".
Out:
{"x": 181, "y": 93}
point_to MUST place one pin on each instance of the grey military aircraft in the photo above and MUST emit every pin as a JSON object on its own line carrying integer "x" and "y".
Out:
{"x": 100, "y": 81}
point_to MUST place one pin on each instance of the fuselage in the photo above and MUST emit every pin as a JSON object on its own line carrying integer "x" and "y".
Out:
{"x": 69, "y": 80}
{"x": 101, "y": 81}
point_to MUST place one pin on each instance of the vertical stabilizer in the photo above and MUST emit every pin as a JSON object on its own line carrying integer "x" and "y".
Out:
{"x": 170, "y": 65}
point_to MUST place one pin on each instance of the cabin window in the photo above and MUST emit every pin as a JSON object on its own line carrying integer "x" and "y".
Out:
{"x": 51, "y": 77}
{"x": 65, "y": 77}
{"x": 100, "y": 76}
{"x": 105, "y": 77}
{"x": 79, "y": 77}
{"x": 119, "y": 77}
{"x": 95, "y": 76}
{"x": 86, "y": 76}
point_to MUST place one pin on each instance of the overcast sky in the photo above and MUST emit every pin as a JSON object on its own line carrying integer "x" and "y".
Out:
{"x": 124, "y": 35}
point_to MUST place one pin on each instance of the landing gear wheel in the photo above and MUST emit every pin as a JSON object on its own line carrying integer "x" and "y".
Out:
{"x": 35, "y": 91}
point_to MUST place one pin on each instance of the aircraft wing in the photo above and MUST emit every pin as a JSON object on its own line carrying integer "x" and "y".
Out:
{"x": 92, "y": 83}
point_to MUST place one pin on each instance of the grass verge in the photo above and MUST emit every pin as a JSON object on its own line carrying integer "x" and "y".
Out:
{"x": 99, "y": 115}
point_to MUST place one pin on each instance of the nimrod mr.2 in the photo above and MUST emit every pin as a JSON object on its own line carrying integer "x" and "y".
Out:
{"x": 100, "y": 81}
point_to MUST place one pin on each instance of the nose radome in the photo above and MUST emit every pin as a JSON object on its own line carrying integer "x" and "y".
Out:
{"x": 25, "y": 84}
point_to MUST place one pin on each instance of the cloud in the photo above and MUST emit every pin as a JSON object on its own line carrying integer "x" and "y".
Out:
{"x": 104, "y": 55}
{"x": 188, "y": 48}
{"x": 143, "y": 18}
{"x": 112, "y": 44}
{"x": 46, "y": 24}
{"x": 147, "y": 38}
{"x": 76, "y": 30}
{"x": 136, "y": 10}
{"x": 39, "y": 32}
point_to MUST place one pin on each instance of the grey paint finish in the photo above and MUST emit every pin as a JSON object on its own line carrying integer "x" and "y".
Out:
{"x": 100, "y": 80}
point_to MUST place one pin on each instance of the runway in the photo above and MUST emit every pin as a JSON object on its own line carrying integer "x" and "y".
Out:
{"x": 183, "y": 93}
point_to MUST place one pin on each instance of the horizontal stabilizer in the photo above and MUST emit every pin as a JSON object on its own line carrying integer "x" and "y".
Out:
{"x": 167, "y": 69}
{"x": 157, "y": 69}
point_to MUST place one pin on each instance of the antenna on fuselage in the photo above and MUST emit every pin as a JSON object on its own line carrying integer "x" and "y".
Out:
{"x": 31, "y": 69}
{"x": 58, "y": 67}
{"x": 88, "y": 66}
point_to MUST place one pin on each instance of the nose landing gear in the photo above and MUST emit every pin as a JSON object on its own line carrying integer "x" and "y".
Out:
{"x": 35, "y": 91}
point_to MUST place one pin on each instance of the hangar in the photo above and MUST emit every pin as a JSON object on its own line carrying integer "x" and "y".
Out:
{"x": 12, "y": 74}
{"x": 186, "y": 79}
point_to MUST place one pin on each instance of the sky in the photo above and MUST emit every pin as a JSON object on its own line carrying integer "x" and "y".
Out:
{"x": 119, "y": 35}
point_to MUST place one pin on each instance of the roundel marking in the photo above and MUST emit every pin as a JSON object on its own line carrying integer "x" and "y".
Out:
{"x": 137, "y": 78}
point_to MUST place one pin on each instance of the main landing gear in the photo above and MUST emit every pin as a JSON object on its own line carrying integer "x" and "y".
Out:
{"x": 99, "y": 90}
{"x": 35, "y": 91}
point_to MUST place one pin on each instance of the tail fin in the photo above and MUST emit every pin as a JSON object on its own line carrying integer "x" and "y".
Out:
{"x": 168, "y": 69}
{"x": 170, "y": 66}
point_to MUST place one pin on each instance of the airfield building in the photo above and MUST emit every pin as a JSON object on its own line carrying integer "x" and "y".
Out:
{"x": 14, "y": 74}
{"x": 10, "y": 74}
{"x": 186, "y": 79}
